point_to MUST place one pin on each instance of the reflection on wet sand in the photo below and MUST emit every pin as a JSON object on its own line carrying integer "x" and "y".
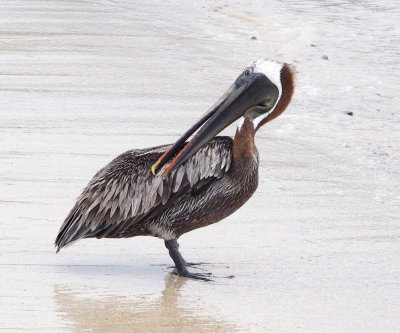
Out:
{"x": 169, "y": 313}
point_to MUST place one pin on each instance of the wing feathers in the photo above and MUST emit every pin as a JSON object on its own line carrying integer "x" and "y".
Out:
{"x": 125, "y": 189}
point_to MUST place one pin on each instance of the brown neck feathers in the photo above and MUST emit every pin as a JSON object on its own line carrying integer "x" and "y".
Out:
{"x": 287, "y": 82}
{"x": 243, "y": 143}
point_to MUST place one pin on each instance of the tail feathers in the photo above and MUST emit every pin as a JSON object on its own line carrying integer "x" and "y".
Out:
{"x": 71, "y": 231}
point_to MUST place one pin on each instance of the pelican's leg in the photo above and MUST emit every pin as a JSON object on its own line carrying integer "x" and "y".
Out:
{"x": 180, "y": 263}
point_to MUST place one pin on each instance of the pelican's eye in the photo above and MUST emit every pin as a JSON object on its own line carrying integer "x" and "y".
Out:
{"x": 247, "y": 71}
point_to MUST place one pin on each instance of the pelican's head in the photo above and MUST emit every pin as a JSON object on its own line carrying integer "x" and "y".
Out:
{"x": 261, "y": 93}
{"x": 277, "y": 75}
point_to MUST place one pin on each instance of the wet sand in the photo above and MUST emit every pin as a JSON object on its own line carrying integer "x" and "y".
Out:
{"x": 317, "y": 247}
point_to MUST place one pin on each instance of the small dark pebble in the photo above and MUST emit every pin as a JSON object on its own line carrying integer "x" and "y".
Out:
{"x": 349, "y": 113}
{"x": 325, "y": 57}
{"x": 253, "y": 38}
{"x": 313, "y": 45}
{"x": 230, "y": 277}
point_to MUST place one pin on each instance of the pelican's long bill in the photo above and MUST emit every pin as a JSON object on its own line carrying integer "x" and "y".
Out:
{"x": 250, "y": 91}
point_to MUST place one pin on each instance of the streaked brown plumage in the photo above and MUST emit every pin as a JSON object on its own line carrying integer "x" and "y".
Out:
{"x": 204, "y": 183}
{"x": 124, "y": 199}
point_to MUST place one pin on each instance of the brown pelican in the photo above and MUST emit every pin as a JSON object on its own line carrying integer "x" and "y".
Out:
{"x": 169, "y": 190}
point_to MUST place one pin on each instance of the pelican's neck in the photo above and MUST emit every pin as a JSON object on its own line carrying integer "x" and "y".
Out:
{"x": 243, "y": 143}
{"x": 240, "y": 123}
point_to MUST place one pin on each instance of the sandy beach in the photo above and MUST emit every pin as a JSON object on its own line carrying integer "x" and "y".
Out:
{"x": 316, "y": 249}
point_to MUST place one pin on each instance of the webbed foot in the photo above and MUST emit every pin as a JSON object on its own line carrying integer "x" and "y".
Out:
{"x": 192, "y": 264}
{"x": 197, "y": 276}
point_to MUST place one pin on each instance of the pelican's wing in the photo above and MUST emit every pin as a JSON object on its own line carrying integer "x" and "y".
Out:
{"x": 124, "y": 192}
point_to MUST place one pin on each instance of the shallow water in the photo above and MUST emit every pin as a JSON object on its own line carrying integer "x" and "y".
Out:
{"x": 317, "y": 247}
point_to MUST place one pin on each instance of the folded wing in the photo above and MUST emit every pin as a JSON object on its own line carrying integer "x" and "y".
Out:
{"x": 124, "y": 192}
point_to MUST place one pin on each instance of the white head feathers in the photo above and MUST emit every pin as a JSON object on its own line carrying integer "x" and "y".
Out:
{"x": 271, "y": 69}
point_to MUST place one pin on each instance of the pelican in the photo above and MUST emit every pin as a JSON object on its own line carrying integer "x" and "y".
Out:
{"x": 169, "y": 190}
